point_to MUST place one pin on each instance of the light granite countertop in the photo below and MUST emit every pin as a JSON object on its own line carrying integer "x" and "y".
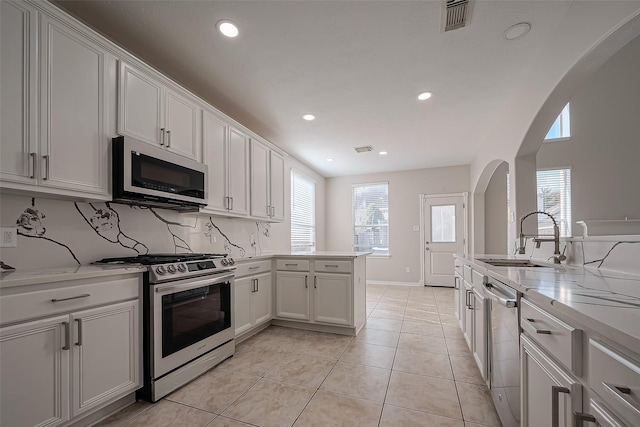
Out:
{"x": 317, "y": 254}
{"x": 25, "y": 277}
{"x": 606, "y": 302}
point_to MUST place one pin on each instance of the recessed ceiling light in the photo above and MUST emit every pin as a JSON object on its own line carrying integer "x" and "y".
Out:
{"x": 309, "y": 117}
{"x": 424, "y": 96}
{"x": 329, "y": 159}
{"x": 517, "y": 31}
{"x": 383, "y": 153}
{"x": 227, "y": 28}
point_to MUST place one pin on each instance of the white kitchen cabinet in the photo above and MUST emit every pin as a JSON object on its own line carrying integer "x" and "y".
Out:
{"x": 152, "y": 112}
{"x": 105, "y": 354}
{"x": 81, "y": 354}
{"x": 468, "y": 313}
{"x": 480, "y": 341}
{"x": 549, "y": 394}
{"x": 34, "y": 362}
{"x": 293, "y": 295}
{"x": 226, "y": 152}
{"x": 267, "y": 182}
{"x": 61, "y": 92}
{"x": 332, "y": 298}
{"x": 253, "y": 304}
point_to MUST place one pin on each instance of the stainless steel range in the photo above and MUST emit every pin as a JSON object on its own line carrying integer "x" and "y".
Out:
{"x": 188, "y": 318}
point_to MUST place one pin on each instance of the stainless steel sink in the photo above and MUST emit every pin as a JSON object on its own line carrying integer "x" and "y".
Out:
{"x": 511, "y": 262}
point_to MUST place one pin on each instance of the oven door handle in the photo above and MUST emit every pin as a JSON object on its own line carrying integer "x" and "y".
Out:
{"x": 190, "y": 284}
{"x": 509, "y": 303}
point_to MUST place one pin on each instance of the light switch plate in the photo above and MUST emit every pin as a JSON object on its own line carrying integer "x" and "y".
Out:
{"x": 8, "y": 237}
{"x": 416, "y": 228}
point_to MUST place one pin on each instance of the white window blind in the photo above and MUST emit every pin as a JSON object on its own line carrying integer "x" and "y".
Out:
{"x": 371, "y": 218}
{"x": 561, "y": 128}
{"x": 554, "y": 197}
{"x": 303, "y": 213}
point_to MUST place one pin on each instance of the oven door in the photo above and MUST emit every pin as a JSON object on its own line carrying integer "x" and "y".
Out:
{"x": 190, "y": 317}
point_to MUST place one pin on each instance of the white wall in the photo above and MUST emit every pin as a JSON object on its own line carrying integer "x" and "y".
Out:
{"x": 604, "y": 149}
{"x": 60, "y": 233}
{"x": 495, "y": 212}
{"x": 404, "y": 212}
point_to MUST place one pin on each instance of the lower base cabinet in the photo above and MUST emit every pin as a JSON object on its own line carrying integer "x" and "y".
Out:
{"x": 252, "y": 302}
{"x": 332, "y": 299}
{"x": 293, "y": 295}
{"x": 550, "y": 395}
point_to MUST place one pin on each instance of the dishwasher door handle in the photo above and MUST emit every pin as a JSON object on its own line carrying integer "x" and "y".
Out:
{"x": 509, "y": 303}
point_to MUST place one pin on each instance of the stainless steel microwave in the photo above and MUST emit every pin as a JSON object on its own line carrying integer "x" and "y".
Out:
{"x": 145, "y": 175}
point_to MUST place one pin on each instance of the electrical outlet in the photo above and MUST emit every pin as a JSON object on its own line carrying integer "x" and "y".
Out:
{"x": 9, "y": 237}
{"x": 407, "y": 269}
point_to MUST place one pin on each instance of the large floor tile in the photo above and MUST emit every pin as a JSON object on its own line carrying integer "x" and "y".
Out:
{"x": 365, "y": 382}
{"x": 330, "y": 409}
{"x": 253, "y": 360}
{"x": 477, "y": 405}
{"x": 170, "y": 414}
{"x": 422, "y": 343}
{"x": 378, "y": 337}
{"x": 387, "y": 314}
{"x": 422, "y": 328}
{"x": 423, "y": 363}
{"x": 329, "y": 346}
{"x": 270, "y": 403}
{"x": 221, "y": 421}
{"x": 465, "y": 369}
{"x": 394, "y": 416}
{"x": 275, "y": 341}
{"x": 423, "y": 305}
{"x": 383, "y": 324}
{"x": 453, "y": 331}
{"x": 369, "y": 354}
{"x": 228, "y": 386}
{"x": 448, "y": 319}
{"x": 458, "y": 347}
{"x": 301, "y": 369}
{"x": 415, "y": 315}
{"x": 428, "y": 394}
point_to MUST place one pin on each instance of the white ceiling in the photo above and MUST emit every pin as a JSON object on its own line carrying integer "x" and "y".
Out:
{"x": 357, "y": 65}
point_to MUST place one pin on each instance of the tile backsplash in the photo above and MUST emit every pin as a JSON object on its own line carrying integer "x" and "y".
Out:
{"x": 55, "y": 233}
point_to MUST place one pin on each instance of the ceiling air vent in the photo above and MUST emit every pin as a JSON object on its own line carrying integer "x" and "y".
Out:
{"x": 363, "y": 149}
{"x": 456, "y": 13}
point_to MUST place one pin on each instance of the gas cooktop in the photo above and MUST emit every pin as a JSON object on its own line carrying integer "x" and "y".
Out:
{"x": 152, "y": 259}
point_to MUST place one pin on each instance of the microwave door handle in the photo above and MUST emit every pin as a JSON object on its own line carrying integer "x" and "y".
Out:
{"x": 190, "y": 284}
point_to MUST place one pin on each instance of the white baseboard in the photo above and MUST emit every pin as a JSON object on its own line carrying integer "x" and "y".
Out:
{"x": 382, "y": 282}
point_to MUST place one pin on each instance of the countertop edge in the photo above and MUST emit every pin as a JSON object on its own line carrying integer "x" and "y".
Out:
{"x": 36, "y": 277}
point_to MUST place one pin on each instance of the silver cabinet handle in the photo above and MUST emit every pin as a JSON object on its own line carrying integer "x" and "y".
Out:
{"x": 538, "y": 331}
{"x": 623, "y": 393}
{"x": 331, "y": 265}
{"x": 46, "y": 166}
{"x": 268, "y": 210}
{"x": 467, "y": 299}
{"x": 168, "y": 138}
{"x": 67, "y": 336}
{"x": 79, "y": 342}
{"x": 315, "y": 282}
{"x": 70, "y": 298}
{"x": 580, "y": 417}
{"x": 273, "y": 211}
{"x": 231, "y": 200}
{"x": 253, "y": 268}
{"x": 291, "y": 265}
{"x": 455, "y": 282}
{"x": 33, "y": 165}
{"x": 555, "y": 404}
{"x": 257, "y": 285}
{"x": 227, "y": 201}
{"x": 162, "y": 136}
{"x": 306, "y": 282}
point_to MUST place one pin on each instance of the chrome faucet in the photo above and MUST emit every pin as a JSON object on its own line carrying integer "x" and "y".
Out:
{"x": 557, "y": 256}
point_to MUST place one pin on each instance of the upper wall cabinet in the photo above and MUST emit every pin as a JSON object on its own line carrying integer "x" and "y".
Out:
{"x": 58, "y": 142}
{"x": 267, "y": 182}
{"x": 150, "y": 111}
{"x": 226, "y": 152}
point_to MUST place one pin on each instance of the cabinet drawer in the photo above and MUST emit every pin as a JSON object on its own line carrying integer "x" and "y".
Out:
{"x": 477, "y": 279}
{"x": 556, "y": 337}
{"x": 47, "y": 302}
{"x": 331, "y": 266}
{"x": 466, "y": 273}
{"x": 251, "y": 268}
{"x": 293, "y": 264}
{"x": 616, "y": 379}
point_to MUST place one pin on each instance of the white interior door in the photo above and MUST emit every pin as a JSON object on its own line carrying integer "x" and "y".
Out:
{"x": 444, "y": 235}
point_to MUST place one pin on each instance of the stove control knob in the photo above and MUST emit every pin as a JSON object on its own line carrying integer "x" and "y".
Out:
{"x": 224, "y": 261}
{"x": 160, "y": 270}
{"x": 202, "y": 265}
{"x": 171, "y": 268}
{"x": 231, "y": 261}
{"x": 182, "y": 268}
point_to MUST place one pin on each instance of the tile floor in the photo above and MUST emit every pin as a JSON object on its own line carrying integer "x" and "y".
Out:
{"x": 409, "y": 366}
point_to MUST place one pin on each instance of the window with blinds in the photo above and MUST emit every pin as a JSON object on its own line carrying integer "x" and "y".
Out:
{"x": 371, "y": 218}
{"x": 554, "y": 197}
{"x": 303, "y": 213}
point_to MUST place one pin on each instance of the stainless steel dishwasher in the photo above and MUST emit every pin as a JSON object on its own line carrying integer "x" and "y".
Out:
{"x": 504, "y": 350}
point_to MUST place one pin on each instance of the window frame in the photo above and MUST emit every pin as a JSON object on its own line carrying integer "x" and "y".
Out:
{"x": 353, "y": 220}
{"x": 565, "y": 122}
{"x": 311, "y": 246}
